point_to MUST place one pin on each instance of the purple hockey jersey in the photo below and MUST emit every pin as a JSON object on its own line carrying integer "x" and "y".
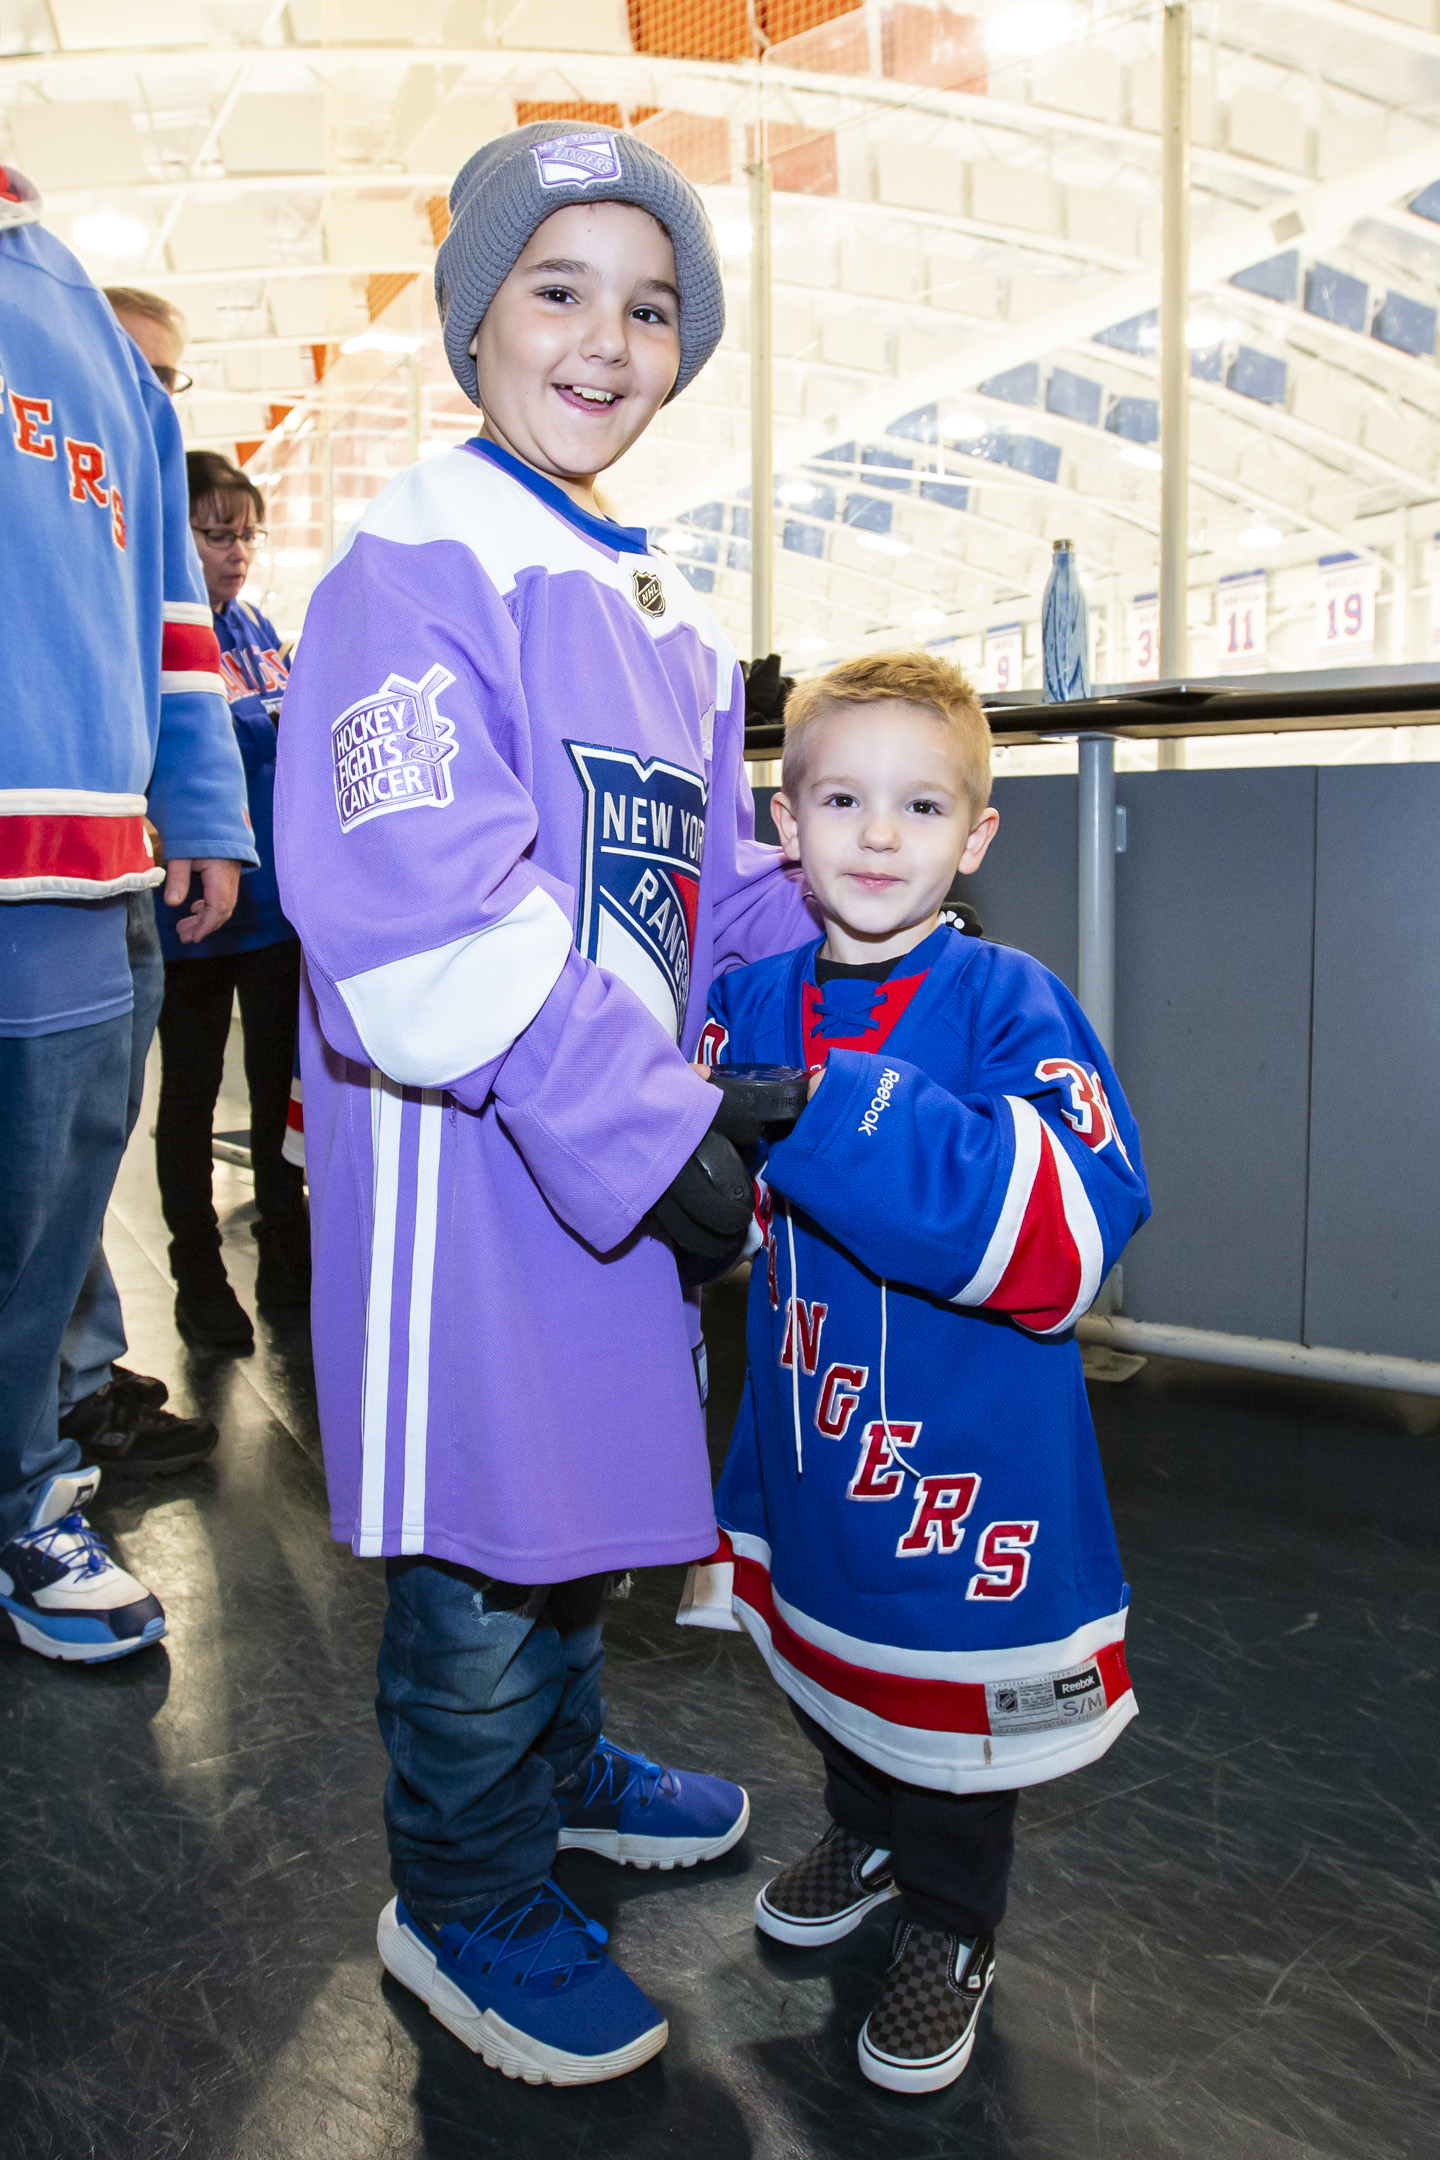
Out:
{"x": 514, "y": 832}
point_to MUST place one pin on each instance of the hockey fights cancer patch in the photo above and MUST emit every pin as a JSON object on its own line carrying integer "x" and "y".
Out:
{"x": 576, "y": 160}
{"x": 392, "y": 751}
{"x": 641, "y": 852}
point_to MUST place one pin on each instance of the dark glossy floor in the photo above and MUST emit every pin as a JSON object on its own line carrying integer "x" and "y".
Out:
{"x": 1224, "y": 1940}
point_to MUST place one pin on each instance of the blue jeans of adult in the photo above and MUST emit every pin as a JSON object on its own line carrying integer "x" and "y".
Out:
{"x": 489, "y": 1706}
{"x": 95, "y": 1336}
{"x": 62, "y": 1134}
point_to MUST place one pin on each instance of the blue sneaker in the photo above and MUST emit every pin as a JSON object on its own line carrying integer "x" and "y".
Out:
{"x": 529, "y": 1989}
{"x": 62, "y": 1594}
{"x": 645, "y": 1816}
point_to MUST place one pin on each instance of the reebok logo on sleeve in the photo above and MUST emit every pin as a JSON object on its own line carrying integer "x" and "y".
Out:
{"x": 889, "y": 1080}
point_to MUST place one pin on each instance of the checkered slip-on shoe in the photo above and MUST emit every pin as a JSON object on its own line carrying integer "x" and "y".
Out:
{"x": 919, "y": 2035}
{"x": 828, "y": 1893}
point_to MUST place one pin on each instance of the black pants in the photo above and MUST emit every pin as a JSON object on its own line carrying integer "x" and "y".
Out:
{"x": 950, "y": 1852}
{"x": 194, "y": 1025}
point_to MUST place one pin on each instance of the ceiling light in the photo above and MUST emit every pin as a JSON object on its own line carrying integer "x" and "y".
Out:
{"x": 296, "y": 558}
{"x": 382, "y": 341}
{"x": 1260, "y": 535}
{"x": 1203, "y": 330}
{"x": 107, "y": 233}
{"x": 927, "y": 618}
{"x": 796, "y": 493}
{"x": 1141, "y": 454}
{"x": 734, "y": 236}
{"x": 1026, "y": 27}
{"x": 882, "y": 544}
{"x": 811, "y": 644}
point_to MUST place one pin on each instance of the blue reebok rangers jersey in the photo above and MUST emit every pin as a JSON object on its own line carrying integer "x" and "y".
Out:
{"x": 913, "y": 1503}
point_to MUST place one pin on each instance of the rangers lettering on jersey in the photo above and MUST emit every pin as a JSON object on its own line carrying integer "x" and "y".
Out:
{"x": 393, "y": 751}
{"x": 643, "y": 842}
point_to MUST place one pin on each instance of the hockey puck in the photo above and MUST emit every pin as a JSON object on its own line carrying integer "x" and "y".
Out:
{"x": 759, "y": 1098}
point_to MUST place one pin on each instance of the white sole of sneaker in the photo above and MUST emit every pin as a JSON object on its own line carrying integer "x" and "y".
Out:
{"x": 78, "y": 1653}
{"x": 500, "y": 2046}
{"x": 657, "y": 1852}
{"x": 932, "y": 2074}
{"x": 812, "y": 1934}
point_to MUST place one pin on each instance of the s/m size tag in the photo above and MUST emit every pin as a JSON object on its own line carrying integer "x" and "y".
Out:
{"x": 1050, "y": 1699}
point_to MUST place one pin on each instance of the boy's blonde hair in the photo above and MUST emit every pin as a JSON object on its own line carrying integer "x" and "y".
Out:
{"x": 911, "y": 678}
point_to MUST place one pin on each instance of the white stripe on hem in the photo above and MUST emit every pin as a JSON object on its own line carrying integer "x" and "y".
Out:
{"x": 386, "y": 1106}
{"x": 422, "y": 1298}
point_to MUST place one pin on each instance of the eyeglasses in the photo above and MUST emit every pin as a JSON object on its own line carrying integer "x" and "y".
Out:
{"x": 174, "y": 379}
{"x": 223, "y": 536}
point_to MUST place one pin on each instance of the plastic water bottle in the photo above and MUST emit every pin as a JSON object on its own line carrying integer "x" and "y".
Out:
{"x": 1065, "y": 630}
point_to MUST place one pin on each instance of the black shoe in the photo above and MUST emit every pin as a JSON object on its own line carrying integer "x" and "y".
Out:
{"x": 207, "y": 1310}
{"x": 919, "y": 2035}
{"x": 134, "y": 1387}
{"x": 827, "y": 1894}
{"x": 134, "y": 1439}
{"x": 282, "y": 1279}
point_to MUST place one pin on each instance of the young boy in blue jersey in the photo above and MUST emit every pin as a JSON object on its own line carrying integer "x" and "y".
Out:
{"x": 914, "y": 1522}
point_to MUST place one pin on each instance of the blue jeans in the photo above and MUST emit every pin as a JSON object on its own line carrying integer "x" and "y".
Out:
{"x": 62, "y": 1133}
{"x": 489, "y": 1704}
{"x": 95, "y": 1336}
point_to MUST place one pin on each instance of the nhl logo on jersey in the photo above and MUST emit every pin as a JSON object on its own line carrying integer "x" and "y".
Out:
{"x": 576, "y": 160}
{"x": 392, "y": 751}
{"x": 649, "y": 592}
{"x": 643, "y": 843}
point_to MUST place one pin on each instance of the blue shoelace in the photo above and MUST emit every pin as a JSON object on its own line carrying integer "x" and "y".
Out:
{"x": 606, "y": 1766}
{"x": 568, "y": 1941}
{"x": 90, "y": 1557}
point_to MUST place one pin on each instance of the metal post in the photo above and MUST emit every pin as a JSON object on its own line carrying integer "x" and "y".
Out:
{"x": 327, "y": 491}
{"x": 414, "y": 388}
{"x": 1174, "y": 353}
{"x": 1096, "y": 976}
{"x": 762, "y": 482}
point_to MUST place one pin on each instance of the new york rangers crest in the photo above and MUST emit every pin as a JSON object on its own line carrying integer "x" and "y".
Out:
{"x": 642, "y": 847}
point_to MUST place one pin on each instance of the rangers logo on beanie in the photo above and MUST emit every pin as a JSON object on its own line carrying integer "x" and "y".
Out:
{"x": 511, "y": 185}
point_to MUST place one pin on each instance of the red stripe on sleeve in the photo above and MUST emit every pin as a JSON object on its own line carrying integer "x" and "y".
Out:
{"x": 190, "y": 648}
{"x": 1042, "y": 1279}
{"x": 95, "y": 849}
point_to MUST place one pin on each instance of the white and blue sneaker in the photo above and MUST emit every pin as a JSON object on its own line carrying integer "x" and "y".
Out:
{"x": 529, "y": 1989}
{"x": 645, "y": 1816}
{"x": 60, "y": 1591}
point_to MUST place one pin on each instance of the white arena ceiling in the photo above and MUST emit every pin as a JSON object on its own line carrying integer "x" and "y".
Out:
{"x": 964, "y": 277}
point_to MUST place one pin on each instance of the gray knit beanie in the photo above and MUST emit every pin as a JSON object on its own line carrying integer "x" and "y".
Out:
{"x": 514, "y": 183}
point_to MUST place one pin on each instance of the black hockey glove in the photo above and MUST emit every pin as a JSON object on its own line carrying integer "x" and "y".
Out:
{"x": 766, "y": 690}
{"x": 706, "y": 1208}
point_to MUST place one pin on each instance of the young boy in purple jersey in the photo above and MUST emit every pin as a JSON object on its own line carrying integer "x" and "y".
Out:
{"x": 514, "y": 833}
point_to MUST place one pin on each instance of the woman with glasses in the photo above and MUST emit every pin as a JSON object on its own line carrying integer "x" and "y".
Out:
{"x": 255, "y": 957}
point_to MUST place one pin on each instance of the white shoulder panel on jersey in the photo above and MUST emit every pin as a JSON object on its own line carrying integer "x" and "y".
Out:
{"x": 436, "y": 1015}
{"x": 464, "y": 498}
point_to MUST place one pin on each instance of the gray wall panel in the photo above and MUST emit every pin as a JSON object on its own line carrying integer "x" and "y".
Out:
{"x": 1025, "y": 888}
{"x": 1214, "y": 906}
{"x": 1373, "y": 1276}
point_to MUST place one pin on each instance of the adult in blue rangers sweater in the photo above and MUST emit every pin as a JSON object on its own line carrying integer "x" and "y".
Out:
{"x": 914, "y": 1523}
{"x": 256, "y": 957}
{"x": 113, "y": 694}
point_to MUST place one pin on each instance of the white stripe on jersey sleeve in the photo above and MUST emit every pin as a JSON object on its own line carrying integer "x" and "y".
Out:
{"x": 1000, "y": 1250}
{"x": 429, "y": 1018}
{"x": 1081, "y": 1222}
